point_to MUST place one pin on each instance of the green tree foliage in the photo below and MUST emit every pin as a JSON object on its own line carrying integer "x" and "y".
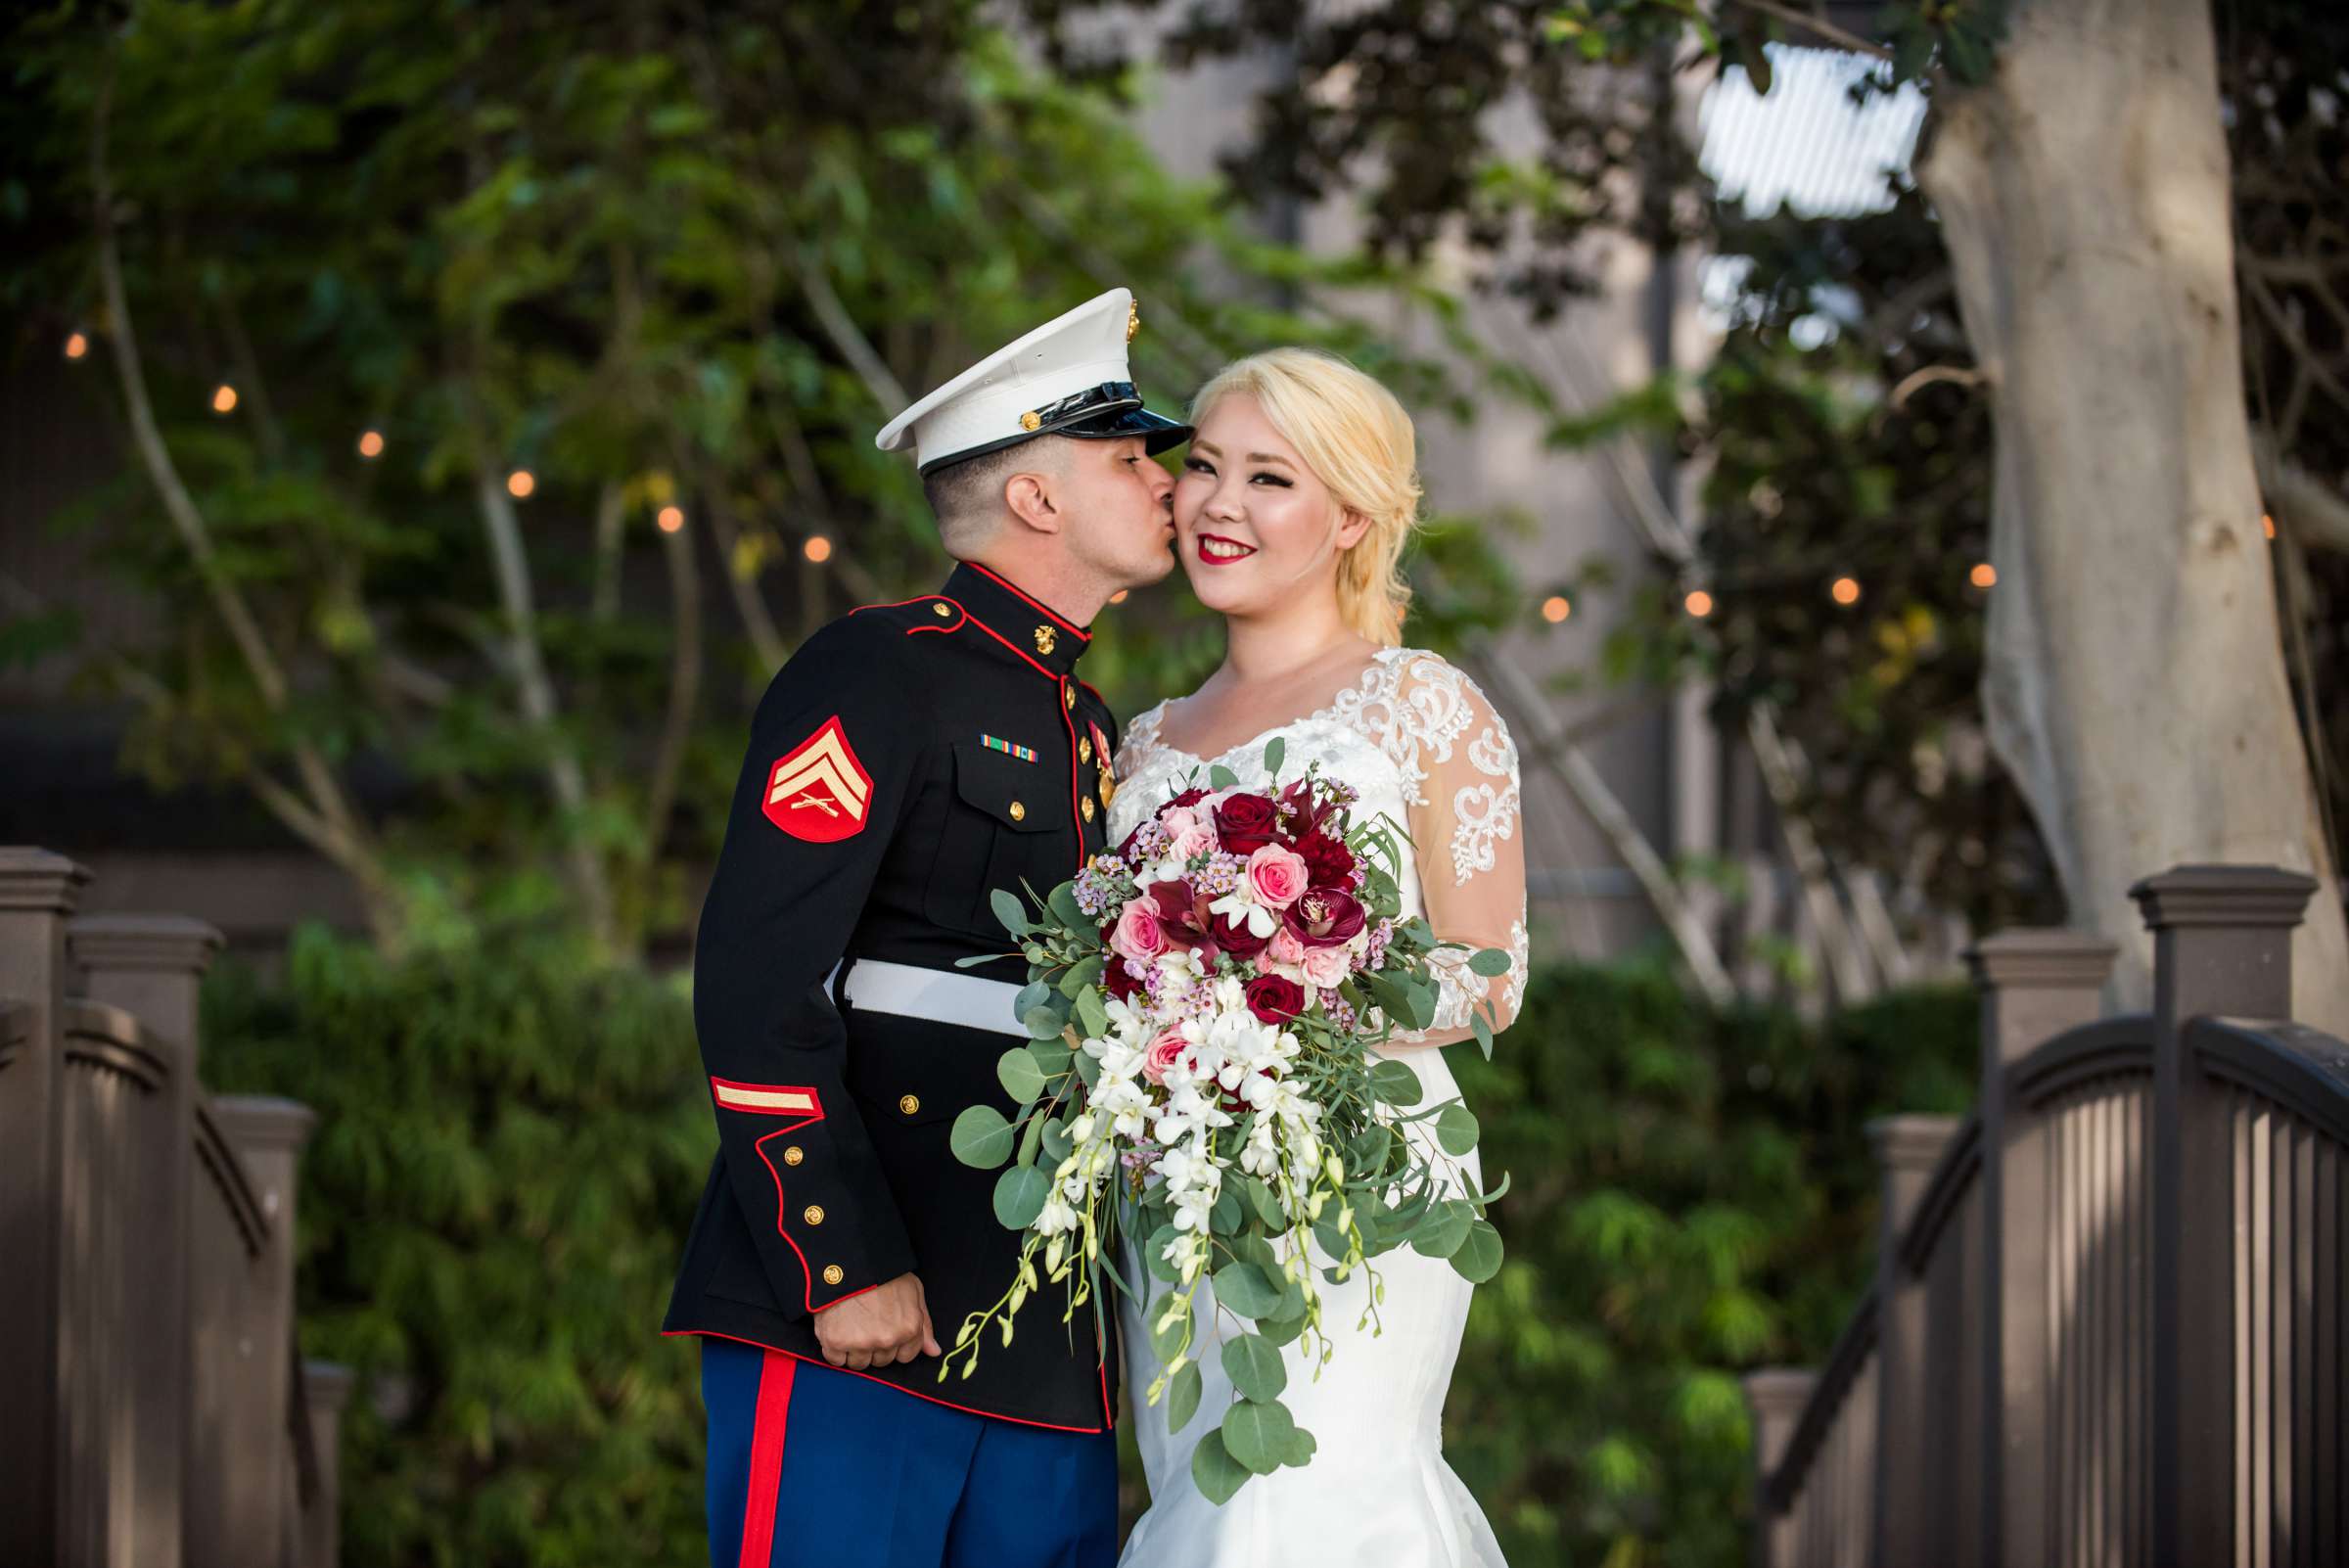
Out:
{"x": 512, "y": 1138}
{"x": 653, "y": 256}
{"x": 510, "y": 1143}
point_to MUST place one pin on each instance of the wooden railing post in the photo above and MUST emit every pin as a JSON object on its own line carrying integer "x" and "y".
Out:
{"x": 1907, "y": 1150}
{"x": 328, "y": 1389}
{"x": 152, "y": 966}
{"x": 1775, "y": 1396}
{"x": 254, "y": 1353}
{"x": 37, "y": 893}
{"x": 2222, "y": 945}
{"x": 2035, "y": 984}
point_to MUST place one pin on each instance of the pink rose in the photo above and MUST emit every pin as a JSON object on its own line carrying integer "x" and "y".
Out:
{"x": 1187, "y": 833}
{"x": 1278, "y": 876}
{"x": 1139, "y": 934}
{"x": 1165, "y": 1052}
{"x": 1326, "y": 966}
{"x": 1285, "y": 948}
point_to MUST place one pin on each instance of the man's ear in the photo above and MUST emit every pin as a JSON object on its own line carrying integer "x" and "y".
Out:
{"x": 1031, "y": 499}
{"x": 1351, "y": 527}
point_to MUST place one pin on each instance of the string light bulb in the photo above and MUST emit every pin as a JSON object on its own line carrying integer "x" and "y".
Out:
{"x": 76, "y": 345}
{"x": 1700, "y": 603}
{"x": 224, "y": 398}
{"x": 1556, "y": 607}
{"x": 819, "y": 549}
{"x": 1119, "y": 597}
{"x": 519, "y": 484}
{"x": 671, "y": 519}
{"x": 371, "y": 443}
{"x": 1846, "y": 590}
{"x": 1984, "y": 576}
{"x": 2267, "y": 524}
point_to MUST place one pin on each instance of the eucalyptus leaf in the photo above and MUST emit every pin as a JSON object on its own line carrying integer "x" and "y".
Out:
{"x": 1281, "y": 1332}
{"x": 1225, "y": 1218}
{"x": 1366, "y": 1153}
{"x": 1019, "y": 1074}
{"x": 1166, "y": 1342}
{"x": 1182, "y": 1395}
{"x": 1243, "y": 1289}
{"x": 1444, "y": 1228}
{"x": 1257, "y": 1369}
{"x": 982, "y": 1136}
{"x": 1032, "y": 995}
{"x": 1154, "y": 1254}
{"x": 1265, "y": 1202}
{"x": 1082, "y": 973}
{"x": 1479, "y": 1257}
{"x": 1483, "y": 1027}
{"x": 1291, "y": 1306}
{"x": 1090, "y": 1016}
{"x": 1057, "y": 1143}
{"x": 1020, "y": 1194}
{"x": 1273, "y": 755}
{"x": 1043, "y": 1023}
{"x": 1219, "y": 777}
{"x": 1089, "y": 1070}
{"x": 1490, "y": 962}
{"x": 1214, "y": 1472}
{"x": 1031, "y": 1138}
{"x": 1064, "y": 906}
{"x": 1397, "y": 1083}
{"x": 1457, "y": 1129}
{"x": 1257, "y": 1435}
{"x": 1052, "y": 1056}
{"x": 1007, "y": 909}
{"x": 1302, "y": 1447}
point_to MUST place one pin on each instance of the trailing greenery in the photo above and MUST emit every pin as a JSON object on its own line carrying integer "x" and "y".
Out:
{"x": 511, "y": 1142}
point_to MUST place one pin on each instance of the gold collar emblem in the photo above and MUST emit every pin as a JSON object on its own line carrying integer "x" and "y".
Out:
{"x": 1043, "y": 641}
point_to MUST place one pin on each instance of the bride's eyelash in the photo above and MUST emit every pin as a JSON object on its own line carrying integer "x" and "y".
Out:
{"x": 1272, "y": 479}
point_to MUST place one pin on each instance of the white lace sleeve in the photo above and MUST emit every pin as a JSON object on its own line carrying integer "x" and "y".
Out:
{"x": 1463, "y": 824}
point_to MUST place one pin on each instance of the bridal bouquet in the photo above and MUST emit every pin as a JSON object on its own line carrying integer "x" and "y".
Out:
{"x": 1202, "y": 1004}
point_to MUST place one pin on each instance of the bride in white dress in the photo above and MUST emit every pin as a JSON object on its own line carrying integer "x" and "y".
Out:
{"x": 1291, "y": 512}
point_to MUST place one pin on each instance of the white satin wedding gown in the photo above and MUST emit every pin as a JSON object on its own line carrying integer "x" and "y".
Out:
{"x": 1424, "y": 747}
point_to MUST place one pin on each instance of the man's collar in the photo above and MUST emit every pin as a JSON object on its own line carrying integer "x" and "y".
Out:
{"x": 1017, "y": 619}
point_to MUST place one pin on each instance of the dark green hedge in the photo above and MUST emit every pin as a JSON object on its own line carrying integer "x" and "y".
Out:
{"x": 512, "y": 1140}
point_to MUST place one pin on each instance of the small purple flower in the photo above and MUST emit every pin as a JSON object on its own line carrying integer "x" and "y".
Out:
{"x": 1220, "y": 873}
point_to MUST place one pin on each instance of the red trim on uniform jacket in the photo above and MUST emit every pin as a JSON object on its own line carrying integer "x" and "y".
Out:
{"x": 954, "y": 625}
{"x": 1068, "y": 721}
{"x": 1042, "y": 669}
{"x": 1108, "y": 1416}
{"x": 731, "y": 1096}
{"x": 767, "y": 1429}
{"x": 997, "y": 578}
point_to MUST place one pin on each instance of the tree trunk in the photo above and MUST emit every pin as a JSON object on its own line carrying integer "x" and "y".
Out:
{"x": 2134, "y": 679}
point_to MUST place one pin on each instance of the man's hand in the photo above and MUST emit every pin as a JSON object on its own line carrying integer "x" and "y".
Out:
{"x": 887, "y": 1323}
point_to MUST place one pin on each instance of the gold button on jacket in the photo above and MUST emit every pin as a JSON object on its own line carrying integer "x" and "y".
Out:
{"x": 834, "y": 1275}
{"x": 794, "y": 1155}
{"x": 909, "y": 1104}
{"x": 813, "y": 1214}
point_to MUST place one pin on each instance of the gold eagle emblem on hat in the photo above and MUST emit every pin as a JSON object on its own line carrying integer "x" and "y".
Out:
{"x": 1134, "y": 319}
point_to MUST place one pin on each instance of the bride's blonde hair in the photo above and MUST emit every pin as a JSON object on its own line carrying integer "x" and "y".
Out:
{"x": 1357, "y": 438}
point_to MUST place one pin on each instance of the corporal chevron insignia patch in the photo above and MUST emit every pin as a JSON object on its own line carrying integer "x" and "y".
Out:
{"x": 820, "y": 792}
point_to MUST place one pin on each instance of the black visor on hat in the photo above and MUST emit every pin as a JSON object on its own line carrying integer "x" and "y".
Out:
{"x": 1112, "y": 409}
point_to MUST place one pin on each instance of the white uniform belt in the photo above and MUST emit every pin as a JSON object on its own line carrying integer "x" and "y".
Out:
{"x": 941, "y": 996}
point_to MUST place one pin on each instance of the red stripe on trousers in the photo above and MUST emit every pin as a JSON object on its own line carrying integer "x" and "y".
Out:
{"x": 767, "y": 1458}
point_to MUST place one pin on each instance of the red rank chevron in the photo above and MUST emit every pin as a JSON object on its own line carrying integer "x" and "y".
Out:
{"x": 820, "y": 792}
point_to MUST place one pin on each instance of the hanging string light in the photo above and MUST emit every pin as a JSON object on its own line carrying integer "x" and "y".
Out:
{"x": 2267, "y": 524}
{"x": 1984, "y": 576}
{"x": 76, "y": 345}
{"x": 671, "y": 519}
{"x": 1556, "y": 607}
{"x": 519, "y": 484}
{"x": 371, "y": 443}
{"x": 1845, "y": 590}
{"x": 224, "y": 398}
{"x": 1119, "y": 597}
{"x": 1700, "y": 603}
{"x": 819, "y": 549}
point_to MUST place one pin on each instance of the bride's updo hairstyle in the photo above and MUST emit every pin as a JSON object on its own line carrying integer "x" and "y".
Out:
{"x": 1357, "y": 438}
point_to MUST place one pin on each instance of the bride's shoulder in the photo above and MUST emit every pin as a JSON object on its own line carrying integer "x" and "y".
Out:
{"x": 1422, "y": 673}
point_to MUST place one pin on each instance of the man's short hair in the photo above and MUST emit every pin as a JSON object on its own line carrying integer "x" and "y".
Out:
{"x": 967, "y": 497}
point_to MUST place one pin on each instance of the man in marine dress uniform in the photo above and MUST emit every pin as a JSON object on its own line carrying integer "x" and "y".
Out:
{"x": 911, "y": 759}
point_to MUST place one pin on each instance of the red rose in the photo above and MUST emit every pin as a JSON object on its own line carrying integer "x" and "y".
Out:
{"x": 1190, "y": 797}
{"x": 1275, "y": 998}
{"x": 1328, "y": 863}
{"x": 1246, "y": 824}
{"x": 1325, "y": 917}
{"x": 1117, "y": 981}
{"x": 1237, "y": 940}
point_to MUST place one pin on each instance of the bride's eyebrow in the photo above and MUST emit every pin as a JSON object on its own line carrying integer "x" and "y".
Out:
{"x": 1270, "y": 457}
